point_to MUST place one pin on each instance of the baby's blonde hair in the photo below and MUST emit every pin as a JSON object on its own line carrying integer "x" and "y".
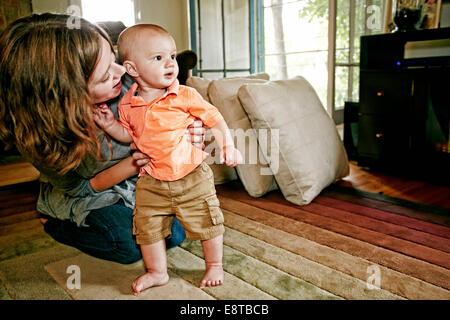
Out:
{"x": 131, "y": 35}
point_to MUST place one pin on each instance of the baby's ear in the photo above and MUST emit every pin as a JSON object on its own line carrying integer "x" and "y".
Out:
{"x": 131, "y": 68}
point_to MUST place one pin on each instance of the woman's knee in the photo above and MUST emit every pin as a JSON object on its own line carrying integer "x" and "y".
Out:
{"x": 128, "y": 256}
{"x": 109, "y": 235}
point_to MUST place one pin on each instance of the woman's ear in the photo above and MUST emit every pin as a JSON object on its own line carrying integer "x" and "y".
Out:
{"x": 131, "y": 68}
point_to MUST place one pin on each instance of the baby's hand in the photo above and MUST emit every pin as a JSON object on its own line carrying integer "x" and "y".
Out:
{"x": 103, "y": 116}
{"x": 231, "y": 156}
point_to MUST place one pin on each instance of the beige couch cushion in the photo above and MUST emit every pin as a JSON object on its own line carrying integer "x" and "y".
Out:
{"x": 254, "y": 174}
{"x": 199, "y": 84}
{"x": 222, "y": 173}
{"x": 311, "y": 154}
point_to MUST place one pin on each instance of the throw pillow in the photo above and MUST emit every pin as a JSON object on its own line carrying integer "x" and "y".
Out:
{"x": 222, "y": 173}
{"x": 311, "y": 153}
{"x": 255, "y": 173}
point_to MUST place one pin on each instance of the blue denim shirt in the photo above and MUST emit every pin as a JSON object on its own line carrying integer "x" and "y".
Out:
{"x": 71, "y": 195}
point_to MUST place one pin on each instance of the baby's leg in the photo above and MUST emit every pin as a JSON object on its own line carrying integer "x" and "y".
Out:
{"x": 213, "y": 250}
{"x": 155, "y": 260}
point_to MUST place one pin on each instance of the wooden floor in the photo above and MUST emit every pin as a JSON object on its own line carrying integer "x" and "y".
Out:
{"x": 398, "y": 187}
{"x": 18, "y": 172}
{"x": 18, "y": 199}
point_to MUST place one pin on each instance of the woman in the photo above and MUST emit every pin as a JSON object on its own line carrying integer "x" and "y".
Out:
{"x": 52, "y": 77}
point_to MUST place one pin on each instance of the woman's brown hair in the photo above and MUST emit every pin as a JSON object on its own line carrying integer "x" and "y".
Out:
{"x": 45, "y": 107}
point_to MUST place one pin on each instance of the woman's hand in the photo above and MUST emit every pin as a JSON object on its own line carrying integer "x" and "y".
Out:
{"x": 196, "y": 133}
{"x": 141, "y": 159}
{"x": 103, "y": 116}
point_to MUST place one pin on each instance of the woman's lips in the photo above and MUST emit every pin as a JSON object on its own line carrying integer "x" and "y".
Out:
{"x": 118, "y": 85}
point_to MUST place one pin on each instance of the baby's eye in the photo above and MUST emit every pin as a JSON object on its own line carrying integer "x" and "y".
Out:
{"x": 173, "y": 57}
{"x": 157, "y": 58}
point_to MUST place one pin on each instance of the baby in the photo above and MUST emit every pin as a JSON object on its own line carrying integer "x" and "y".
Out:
{"x": 155, "y": 114}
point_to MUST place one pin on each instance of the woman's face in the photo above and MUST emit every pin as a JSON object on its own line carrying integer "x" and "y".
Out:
{"x": 104, "y": 83}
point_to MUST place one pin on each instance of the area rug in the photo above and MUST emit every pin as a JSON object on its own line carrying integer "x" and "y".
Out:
{"x": 346, "y": 244}
{"x": 350, "y": 235}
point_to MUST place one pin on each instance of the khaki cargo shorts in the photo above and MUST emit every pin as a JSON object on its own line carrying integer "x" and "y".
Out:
{"x": 192, "y": 199}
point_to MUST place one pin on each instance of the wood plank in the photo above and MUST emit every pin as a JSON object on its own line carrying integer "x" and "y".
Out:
{"x": 393, "y": 208}
{"x": 399, "y": 187}
{"x": 17, "y": 209}
{"x": 384, "y": 215}
{"x": 18, "y": 172}
{"x": 20, "y": 217}
{"x": 12, "y": 200}
{"x": 19, "y": 227}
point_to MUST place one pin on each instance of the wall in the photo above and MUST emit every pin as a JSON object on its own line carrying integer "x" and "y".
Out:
{"x": 445, "y": 14}
{"x": 55, "y": 6}
{"x": 171, "y": 14}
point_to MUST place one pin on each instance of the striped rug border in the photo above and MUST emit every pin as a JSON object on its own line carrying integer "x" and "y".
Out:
{"x": 422, "y": 211}
{"x": 398, "y": 235}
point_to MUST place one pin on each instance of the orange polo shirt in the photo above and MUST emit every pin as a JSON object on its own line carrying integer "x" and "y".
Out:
{"x": 158, "y": 129}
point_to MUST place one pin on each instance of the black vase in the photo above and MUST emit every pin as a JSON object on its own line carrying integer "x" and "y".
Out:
{"x": 406, "y": 18}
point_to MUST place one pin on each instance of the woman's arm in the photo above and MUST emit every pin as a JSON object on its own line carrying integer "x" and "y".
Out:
{"x": 125, "y": 169}
{"x": 108, "y": 178}
{"x": 130, "y": 166}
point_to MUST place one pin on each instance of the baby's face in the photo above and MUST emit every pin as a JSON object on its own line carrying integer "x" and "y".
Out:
{"x": 155, "y": 60}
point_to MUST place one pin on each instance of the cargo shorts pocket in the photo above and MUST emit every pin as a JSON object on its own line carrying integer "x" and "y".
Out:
{"x": 135, "y": 231}
{"x": 214, "y": 210}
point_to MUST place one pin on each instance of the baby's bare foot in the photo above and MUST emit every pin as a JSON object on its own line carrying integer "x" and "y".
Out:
{"x": 213, "y": 276}
{"x": 148, "y": 280}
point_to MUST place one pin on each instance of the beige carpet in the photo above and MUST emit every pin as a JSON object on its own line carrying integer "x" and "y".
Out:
{"x": 108, "y": 280}
{"x": 100, "y": 279}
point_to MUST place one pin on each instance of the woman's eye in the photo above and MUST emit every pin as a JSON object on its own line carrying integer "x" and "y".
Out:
{"x": 107, "y": 78}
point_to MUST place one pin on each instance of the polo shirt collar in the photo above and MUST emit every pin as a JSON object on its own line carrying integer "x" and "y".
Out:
{"x": 137, "y": 101}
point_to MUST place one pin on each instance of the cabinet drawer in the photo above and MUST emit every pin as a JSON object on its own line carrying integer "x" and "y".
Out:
{"x": 383, "y": 136}
{"x": 383, "y": 93}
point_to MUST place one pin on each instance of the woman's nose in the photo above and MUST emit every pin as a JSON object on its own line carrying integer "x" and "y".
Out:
{"x": 119, "y": 70}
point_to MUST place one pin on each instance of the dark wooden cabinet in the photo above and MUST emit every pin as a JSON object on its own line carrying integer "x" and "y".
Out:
{"x": 404, "y": 107}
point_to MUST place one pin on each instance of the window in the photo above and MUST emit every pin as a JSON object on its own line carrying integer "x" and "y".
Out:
{"x": 354, "y": 18}
{"x": 296, "y": 41}
{"x": 109, "y": 10}
{"x": 286, "y": 38}
{"x": 228, "y": 24}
